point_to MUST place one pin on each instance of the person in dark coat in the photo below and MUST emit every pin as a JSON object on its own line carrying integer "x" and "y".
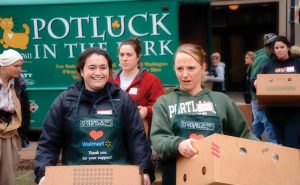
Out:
{"x": 285, "y": 120}
{"x": 93, "y": 115}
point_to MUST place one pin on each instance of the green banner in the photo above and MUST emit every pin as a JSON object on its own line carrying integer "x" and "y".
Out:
{"x": 51, "y": 37}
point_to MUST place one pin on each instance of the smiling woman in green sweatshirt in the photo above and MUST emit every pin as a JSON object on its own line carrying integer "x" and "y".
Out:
{"x": 191, "y": 112}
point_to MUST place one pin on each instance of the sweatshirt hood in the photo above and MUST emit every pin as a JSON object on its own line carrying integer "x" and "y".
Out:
{"x": 181, "y": 92}
{"x": 262, "y": 52}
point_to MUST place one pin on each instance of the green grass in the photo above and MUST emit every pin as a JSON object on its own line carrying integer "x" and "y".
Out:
{"x": 25, "y": 177}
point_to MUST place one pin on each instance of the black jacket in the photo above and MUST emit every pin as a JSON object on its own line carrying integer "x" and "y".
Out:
{"x": 20, "y": 88}
{"x": 57, "y": 125}
{"x": 282, "y": 115}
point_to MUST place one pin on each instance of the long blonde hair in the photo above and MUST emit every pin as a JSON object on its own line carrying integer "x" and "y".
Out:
{"x": 251, "y": 54}
{"x": 295, "y": 50}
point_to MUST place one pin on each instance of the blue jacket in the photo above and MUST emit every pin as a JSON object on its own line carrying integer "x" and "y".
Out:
{"x": 57, "y": 125}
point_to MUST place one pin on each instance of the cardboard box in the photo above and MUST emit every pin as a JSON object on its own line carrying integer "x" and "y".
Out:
{"x": 93, "y": 174}
{"x": 226, "y": 160}
{"x": 278, "y": 90}
{"x": 246, "y": 109}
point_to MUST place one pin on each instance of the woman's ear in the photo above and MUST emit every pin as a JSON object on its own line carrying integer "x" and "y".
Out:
{"x": 81, "y": 73}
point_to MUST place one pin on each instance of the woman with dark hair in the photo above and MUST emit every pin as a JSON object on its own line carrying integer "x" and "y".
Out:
{"x": 143, "y": 86}
{"x": 96, "y": 112}
{"x": 285, "y": 120}
{"x": 14, "y": 114}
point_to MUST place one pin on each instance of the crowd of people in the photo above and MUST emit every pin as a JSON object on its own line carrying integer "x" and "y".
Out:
{"x": 138, "y": 116}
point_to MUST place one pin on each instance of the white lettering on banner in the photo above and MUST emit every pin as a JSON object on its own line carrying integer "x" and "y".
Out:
{"x": 26, "y": 55}
{"x": 149, "y": 46}
{"x": 109, "y": 28}
{"x": 40, "y": 24}
{"x": 83, "y": 46}
{"x": 131, "y": 28}
{"x": 66, "y": 26}
{"x": 37, "y": 28}
{"x": 164, "y": 47}
{"x": 27, "y": 75}
{"x": 101, "y": 28}
{"x": 95, "y": 28}
{"x": 45, "y": 50}
{"x": 159, "y": 23}
{"x": 79, "y": 24}
{"x": 190, "y": 107}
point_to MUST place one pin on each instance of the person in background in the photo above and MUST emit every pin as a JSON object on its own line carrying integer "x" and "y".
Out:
{"x": 76, "y": 117}
{"x": 249, "y": 58}
{"x": 295, "y": 51}
{"x": 260, "y": 122}
{"x": 217, "y": 73}
{"x": 14, "y": 114}
{"x": 285, "y": 120}
{"x": 216, "y": 112}
{"x": 143, "y": 86}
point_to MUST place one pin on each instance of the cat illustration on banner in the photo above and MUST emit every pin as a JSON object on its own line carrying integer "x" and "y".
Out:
{"x": 12, "y": 39}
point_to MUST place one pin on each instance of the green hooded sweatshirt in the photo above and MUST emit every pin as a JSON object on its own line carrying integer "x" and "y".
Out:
{"x": 165, "y": 143}
{"x": 261, "y": 58}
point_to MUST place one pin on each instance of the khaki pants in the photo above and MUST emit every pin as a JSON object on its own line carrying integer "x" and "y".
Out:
{"x": 9, "y": 159}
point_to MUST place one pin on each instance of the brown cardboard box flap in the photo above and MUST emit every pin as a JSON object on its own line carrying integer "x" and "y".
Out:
{"x": 236, "y": 161}
{"x": 278, "y": 90}
{"x": 246, "y": 109}
{"x": 93, "y": 174}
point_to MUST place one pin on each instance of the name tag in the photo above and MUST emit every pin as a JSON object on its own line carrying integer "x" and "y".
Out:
{"x": 104, "y": 111}
{"x": 205, "y": 107}
{"x": 133, "y": 91}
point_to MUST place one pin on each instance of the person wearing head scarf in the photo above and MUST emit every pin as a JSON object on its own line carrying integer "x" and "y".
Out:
{"x": 14, "y": 114}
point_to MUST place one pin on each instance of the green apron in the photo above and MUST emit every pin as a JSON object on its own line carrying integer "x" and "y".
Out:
{"x": 96, "y": 139}
{"x": 189, "y": 126}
